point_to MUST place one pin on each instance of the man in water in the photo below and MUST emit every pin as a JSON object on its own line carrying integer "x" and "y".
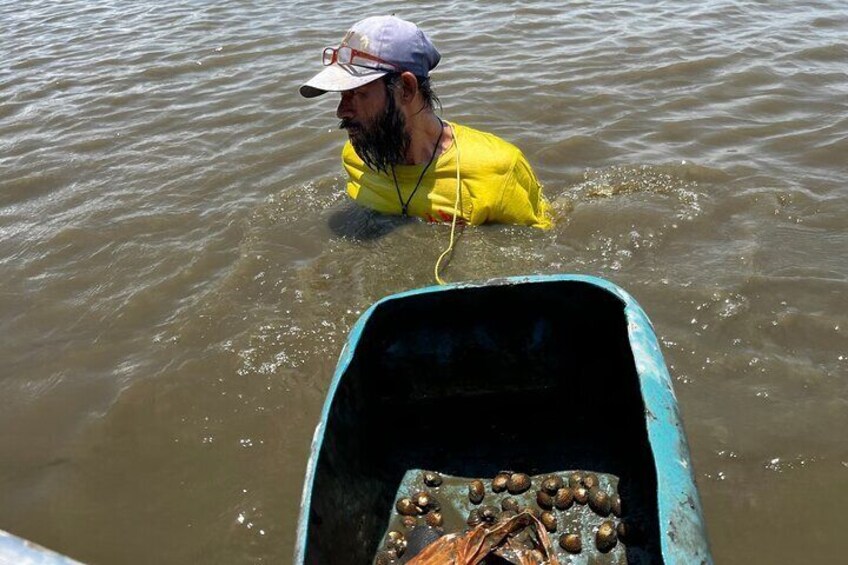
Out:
{"x": 401, "y": 158}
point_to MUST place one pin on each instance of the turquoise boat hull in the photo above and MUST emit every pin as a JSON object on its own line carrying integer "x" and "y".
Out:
{"x": 18, "y": 551}
{"x": 538, "y": 373}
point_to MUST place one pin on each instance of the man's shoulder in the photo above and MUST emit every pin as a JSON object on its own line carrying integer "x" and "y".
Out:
{"x": 486, "y": 149}
{"x": 473, "y": 135}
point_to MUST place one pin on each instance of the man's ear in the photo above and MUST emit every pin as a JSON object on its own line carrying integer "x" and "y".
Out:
{"x": 410, "y": 87}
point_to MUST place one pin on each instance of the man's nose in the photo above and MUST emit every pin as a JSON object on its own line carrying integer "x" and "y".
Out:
{"x": 345, "y": 110}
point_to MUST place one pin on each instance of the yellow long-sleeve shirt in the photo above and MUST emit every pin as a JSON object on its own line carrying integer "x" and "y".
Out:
{"x": 497, "y": 183}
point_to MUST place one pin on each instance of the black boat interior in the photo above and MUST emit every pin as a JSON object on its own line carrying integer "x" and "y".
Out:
{"x": 537, "y": 377}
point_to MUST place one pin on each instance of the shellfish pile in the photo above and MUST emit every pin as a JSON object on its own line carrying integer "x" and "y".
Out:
{"x": 581, "y": 511}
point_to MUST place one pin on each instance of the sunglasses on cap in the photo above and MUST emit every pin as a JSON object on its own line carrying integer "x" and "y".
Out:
{"x": 345, "y": 55}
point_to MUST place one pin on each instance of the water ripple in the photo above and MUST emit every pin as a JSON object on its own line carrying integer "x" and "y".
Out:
{"x": 178, "y": 256}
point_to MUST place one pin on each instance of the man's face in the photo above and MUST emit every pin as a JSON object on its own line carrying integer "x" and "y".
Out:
{"x": 360, "y": 106}
{"x": 375, "y": 125}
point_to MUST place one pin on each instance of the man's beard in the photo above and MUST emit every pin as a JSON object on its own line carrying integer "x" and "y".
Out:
{"x": 383, "y": 142}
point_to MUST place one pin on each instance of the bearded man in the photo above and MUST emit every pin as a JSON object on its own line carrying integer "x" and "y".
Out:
{"x": 401, "y": 158}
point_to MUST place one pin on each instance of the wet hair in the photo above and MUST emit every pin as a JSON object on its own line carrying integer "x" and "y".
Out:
{"x": 431, "y": 101}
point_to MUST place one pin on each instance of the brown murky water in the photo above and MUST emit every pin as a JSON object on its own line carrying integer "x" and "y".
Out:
{"x": 180, "y": 267}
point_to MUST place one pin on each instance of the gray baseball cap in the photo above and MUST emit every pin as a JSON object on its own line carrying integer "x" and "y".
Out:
{"x": 371, "y": 49}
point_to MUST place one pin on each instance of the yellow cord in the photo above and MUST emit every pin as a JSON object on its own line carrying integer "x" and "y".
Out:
{"x": 456, "y": 212}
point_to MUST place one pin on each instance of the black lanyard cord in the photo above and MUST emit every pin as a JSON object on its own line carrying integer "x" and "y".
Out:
{"x": 404, "y": 207}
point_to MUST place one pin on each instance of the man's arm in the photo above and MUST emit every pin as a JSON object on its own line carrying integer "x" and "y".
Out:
{"x": 522, "y": 201}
